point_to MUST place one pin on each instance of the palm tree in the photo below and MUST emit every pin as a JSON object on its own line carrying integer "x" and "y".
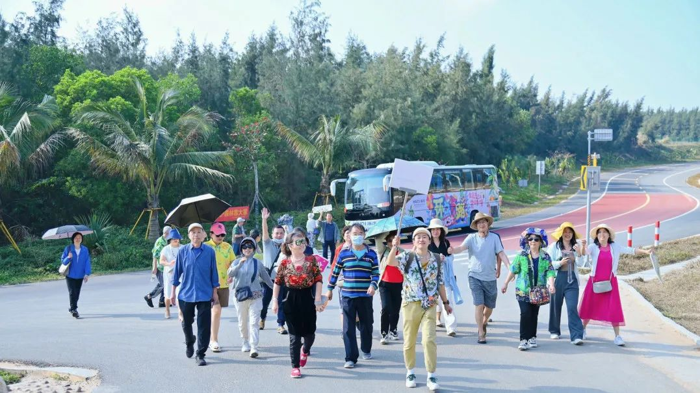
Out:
{"x": 149, "y": 151}
{"x": 27, "y": 144}
{"x": 331, "y": 147}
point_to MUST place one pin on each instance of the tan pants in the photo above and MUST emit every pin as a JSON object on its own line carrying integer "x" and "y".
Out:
{"x": 414, "y": 317}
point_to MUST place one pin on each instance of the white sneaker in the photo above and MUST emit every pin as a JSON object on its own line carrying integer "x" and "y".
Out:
{"x": 245, "y": 347}
{"x": 532, "y": 342}
{"x": 584, "y": 334}
{"x": 394, "y": 336}
{"x": 411, "y": 381}
{"x": 524, "y": 345}
{"x": 554, "y": 336}
{"x": 619, "y": 341}
{"x": 432, "y": 384}
{"x": 577, "y": 341}
{"x": 384, "y": 340}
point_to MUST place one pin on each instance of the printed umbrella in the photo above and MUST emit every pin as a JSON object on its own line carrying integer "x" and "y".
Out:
{"x": 66, "y": 231}
{"x": 200, "y": 209}
{"x": 390, "y": 224}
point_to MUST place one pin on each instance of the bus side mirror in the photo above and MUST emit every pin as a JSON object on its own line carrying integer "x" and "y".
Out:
{"x": 385, "y": 182}
{"x": 333, "y": 185}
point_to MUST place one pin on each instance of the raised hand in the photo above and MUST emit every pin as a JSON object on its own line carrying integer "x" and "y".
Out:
{"x": 265, "y": 213}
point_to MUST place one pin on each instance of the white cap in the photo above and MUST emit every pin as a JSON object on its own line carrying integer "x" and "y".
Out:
{"x": 166, "y": 229}
{"x": 193, "y": 226}
{"x": 240, "y": 219}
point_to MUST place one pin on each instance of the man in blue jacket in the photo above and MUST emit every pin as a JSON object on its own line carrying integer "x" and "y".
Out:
{"x": 198, "y": 278}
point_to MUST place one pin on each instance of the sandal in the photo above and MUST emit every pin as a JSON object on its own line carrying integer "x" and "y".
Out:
{"x": 214, "y": 346}
{"x": 481, "y": 340}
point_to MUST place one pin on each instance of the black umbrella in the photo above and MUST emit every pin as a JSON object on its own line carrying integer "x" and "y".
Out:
{"x": 202, "y": 208}
{"x": 65, "y": 232}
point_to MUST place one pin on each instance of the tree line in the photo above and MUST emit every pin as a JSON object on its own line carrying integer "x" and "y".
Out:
{"x": 116, "y": 130}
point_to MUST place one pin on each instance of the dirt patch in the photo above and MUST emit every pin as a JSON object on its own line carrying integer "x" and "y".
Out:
{"x": 667, "y": 253}
{"x": 35, "y": 380}
{"x": 694, "y": 180}
{"x": 677, "y": 297}
{"x": 510, "y": 209}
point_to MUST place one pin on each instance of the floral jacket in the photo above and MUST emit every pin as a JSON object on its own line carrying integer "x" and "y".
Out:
{"x": 521, "y": 266}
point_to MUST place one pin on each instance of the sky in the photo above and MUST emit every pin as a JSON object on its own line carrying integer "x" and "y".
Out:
{"x": 638, "y": 48}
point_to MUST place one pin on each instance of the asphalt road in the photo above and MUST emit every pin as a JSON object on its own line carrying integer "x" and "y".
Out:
{"x": 136, "y": 350}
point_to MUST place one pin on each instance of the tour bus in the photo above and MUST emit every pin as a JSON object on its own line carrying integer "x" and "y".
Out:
{"x": 456, "y": 194}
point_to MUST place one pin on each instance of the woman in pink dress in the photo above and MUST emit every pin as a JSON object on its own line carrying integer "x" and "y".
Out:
{"x": 605, "y": 307}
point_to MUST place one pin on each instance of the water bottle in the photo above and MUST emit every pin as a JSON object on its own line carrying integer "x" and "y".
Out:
{"x": 153, "y": 277}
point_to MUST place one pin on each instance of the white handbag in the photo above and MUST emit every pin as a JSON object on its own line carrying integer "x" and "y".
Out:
{"x": 602, "y": 286}
{"x": 64, "y": 269}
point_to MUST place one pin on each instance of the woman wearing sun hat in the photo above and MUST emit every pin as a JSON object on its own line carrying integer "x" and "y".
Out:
{"x": 605, "y": 306}
{"x": 167, "y": 259}
{"x": 533, "y": 267}
{"x": 440, "y": 245}
{"x": 566, "y": 257}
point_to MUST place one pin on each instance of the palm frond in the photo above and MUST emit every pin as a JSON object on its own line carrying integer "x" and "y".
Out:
{"x": 203, "y": 158}
{"x": 303, "y": 147}
{"x": 41, "y": 157}
{"x": 166, "y": 99}
{"x": 191, "y": 172}
{"x": 104, "y": 159}
{"x": 105, "y": 119}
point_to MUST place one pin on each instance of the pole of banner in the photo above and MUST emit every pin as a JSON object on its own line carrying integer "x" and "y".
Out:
{"x": 137, "y": 222}
{"x": 629, "y": 236}
{"x": 656, "y": 233}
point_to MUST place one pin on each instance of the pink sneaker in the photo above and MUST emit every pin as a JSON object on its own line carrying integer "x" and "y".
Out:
{"x": 304, "y": 357}
{"x": 296, "y": 373}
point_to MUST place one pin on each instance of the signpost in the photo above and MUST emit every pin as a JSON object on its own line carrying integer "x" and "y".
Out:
{"x": 409, "y": 177}
{"x": 539, "y": 171}
{"x": 593, "y": 172}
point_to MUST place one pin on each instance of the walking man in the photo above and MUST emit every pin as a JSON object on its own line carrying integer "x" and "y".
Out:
{"x": 360, "y": 270}
{"x": 485, "y": 256}
{"x": 271, "y": 254}
{"x": 238, "y": 235}
{"x": 196, "y": 274}
{"x": 331, "y": 235}
{"x": 224, "y": 259}
{"x": 157, "y": 269}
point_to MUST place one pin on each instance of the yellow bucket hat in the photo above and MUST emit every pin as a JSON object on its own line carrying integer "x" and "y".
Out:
{"x": 560, "y": 231}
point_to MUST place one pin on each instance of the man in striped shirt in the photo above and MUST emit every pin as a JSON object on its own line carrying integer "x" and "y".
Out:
{"x": 361, "y": 276}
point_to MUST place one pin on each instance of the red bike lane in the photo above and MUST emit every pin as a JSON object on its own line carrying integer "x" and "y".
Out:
{"x": 617, "y": 210}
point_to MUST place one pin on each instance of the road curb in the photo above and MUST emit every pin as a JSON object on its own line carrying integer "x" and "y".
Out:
{"x": 73, "y": 373}
{"x": 680, "y": 329}
{"x": 3, "y": 387}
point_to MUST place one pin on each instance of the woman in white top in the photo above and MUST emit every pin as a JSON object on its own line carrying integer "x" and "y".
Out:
{"x": 167, "y": 260}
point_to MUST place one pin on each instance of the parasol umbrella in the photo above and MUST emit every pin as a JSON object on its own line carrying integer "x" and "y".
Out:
{"x": 389, "y": 224}
{"x": 200, "y": 209}
{"x": 66, "y": 231}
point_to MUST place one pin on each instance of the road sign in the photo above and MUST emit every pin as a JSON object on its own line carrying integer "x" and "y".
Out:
{"x": 539, "y": 168}
{"x": 584, "y": 178}
{"x": 593, "y": 174}
{"x": 603, "y": 134}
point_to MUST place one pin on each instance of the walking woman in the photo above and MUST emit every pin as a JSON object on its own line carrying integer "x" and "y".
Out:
{"x": 566, "y": 257}
{"x": 440, "y": 245}
{"x": 299, "y": 273}
{"x": 247, "y": 272}
{"x": 347, "y": 243}
{"x": 601, "y": 302}
{"x": 79, "y": 270}
{"x": 533, "y": 267}
{"x": 390, "y": 286}
{"x": 423, "y": 285}
{"x": 167, "y": 259}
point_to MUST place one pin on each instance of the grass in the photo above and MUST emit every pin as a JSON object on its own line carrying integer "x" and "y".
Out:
{"x": 667, "y": 254}
{"x": 518, "y": 202}
{"x": 9, "y": 377}
{"x": 677, "y": 297}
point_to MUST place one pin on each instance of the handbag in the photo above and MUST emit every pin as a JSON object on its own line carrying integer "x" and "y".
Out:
{"x": 65, "y": 269}
{"x": 602, "y": 286}
{"x": 245, "y": 293}
{"x": 539, "y": 295}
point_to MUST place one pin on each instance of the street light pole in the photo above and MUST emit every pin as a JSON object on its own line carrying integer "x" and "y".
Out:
{"x": 588, "y": 191}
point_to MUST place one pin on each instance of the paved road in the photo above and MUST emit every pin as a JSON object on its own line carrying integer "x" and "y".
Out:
{"x": 137, "y": 351}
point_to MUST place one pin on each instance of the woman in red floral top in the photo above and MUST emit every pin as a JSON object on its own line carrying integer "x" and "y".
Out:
{"x": 298, "y": 273}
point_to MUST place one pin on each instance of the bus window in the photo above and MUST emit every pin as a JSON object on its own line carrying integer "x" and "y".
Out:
{"x": 468, "y": 180}
{"x": 480, "y": 178}
{"x": 453, "y": 181}
{"x": 436, "y": 184}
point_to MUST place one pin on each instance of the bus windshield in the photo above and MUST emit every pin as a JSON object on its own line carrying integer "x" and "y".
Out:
{"x": 365, "y": 198}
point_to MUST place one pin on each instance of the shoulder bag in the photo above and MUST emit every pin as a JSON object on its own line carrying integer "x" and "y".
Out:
{"x": 539, "y": 295}
{"x": 245, "y": 293}
{"x": 65, "y": 269}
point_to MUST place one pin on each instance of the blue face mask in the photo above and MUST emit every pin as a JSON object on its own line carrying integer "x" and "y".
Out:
{"x": 358, "y": 240}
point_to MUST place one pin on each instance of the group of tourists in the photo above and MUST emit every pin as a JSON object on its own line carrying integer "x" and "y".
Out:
{"x": 419, "y": 283}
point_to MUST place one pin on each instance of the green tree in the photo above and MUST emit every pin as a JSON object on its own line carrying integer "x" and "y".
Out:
{"x": 149, "y": 150}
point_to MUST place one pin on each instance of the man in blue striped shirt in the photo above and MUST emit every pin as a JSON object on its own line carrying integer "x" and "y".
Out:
{"x": 196, "y": 263}
{"x": 360, "y": 270}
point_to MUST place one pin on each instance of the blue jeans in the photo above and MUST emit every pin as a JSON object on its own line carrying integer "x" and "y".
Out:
{"x": 354, "y": 307}
{"x": 569, "y": 292}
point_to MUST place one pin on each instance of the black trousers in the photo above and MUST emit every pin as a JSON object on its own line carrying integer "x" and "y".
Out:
{"x": 354, "y": 307}
{"x": 158, "y": 289}
{"x": 203, "y": 324}
{"x": 528, "y": 320}
{"x": 295, "y": 344}
{"x": 390, "y": 294}
{"x": 74, "y": 286}
{"x": 267, "y": 298}
{"x": 329, "y": 245}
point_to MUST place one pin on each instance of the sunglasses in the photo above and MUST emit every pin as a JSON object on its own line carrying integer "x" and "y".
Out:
{"x": 247, "y": 247}
{"x": 533, "y": 239}
{"x": 213, "y": 235}
{"x": 299, "y": 242}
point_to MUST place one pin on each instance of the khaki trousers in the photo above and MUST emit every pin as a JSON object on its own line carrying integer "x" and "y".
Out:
{"x": 414, "y": 317}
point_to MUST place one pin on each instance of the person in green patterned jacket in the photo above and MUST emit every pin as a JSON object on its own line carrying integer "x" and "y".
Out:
{"x": 157, "y": 269}
{"x": 533, "y": 268}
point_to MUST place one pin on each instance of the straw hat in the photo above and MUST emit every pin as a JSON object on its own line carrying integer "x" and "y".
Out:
{"x": 594, "y": 231}
{"x": 560, "y": 231}
{"x": 480, "y": 216}
{"x": 437, "y": 223}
